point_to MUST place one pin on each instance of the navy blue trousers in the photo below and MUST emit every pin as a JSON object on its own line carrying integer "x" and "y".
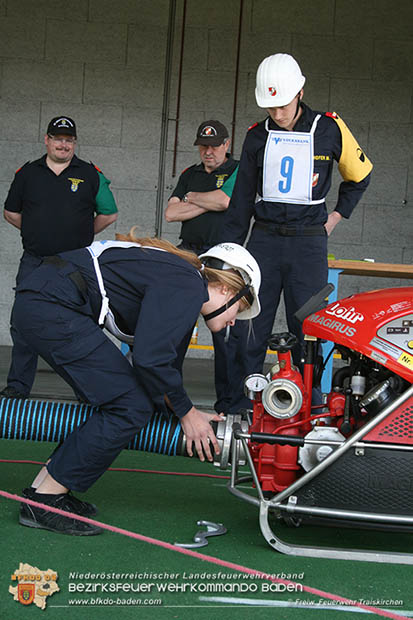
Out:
{"x": 228, "y": 360}
{"x": 80, "y": 352}
{"x": 230, "y": 368}
{"x": 23, "y": 365}
{"x": 296, "y": 266}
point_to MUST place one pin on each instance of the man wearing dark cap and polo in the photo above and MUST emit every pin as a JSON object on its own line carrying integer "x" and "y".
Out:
{"x": 203, "y": 192}
{"x": 199, "y": 201}
{"x": 58, "y": 202}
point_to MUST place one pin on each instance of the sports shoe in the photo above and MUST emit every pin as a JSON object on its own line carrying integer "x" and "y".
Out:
{"x": 11, "y": 392}
{"x": 31, "y": 516}
{"x": 69, "y": 503}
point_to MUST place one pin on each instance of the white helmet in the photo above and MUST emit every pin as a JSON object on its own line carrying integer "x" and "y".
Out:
{"x": 234, "y": 256}
{"x": 279, "y": 79}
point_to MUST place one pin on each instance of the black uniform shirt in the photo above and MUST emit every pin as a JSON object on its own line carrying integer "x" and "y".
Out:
{"x": 57, "y": 210}
{"x": 205, "y": 229}
{"x": 327, "y": 148}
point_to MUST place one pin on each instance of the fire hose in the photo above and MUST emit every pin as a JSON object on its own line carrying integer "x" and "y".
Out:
{"x": 43, "y": 420}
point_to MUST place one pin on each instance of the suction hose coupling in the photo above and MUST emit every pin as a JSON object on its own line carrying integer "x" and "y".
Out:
{"x": 282, "y": 398}
{"x": 224, "y": 434}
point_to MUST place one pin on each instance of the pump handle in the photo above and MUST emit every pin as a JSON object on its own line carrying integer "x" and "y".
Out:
{"x": 315, "y": 303}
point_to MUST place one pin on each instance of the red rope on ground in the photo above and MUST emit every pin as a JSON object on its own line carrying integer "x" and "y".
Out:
{"x": 141, "y": 471}
{"x": 206, "y": 558}
{"x": 168, "y": 473}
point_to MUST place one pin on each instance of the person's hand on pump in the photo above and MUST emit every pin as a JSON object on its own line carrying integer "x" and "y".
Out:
{"x": 198, "y": 430}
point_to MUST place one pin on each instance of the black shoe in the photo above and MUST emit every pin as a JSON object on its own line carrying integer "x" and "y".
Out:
{"x": 11, "y": 392}
{"x": 70, "y": 503}
{"x": 45, "y": 520}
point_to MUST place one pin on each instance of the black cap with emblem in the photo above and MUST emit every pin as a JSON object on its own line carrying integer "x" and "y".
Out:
{"x": 61, "y": 125}
{"x": 211, "y": 133}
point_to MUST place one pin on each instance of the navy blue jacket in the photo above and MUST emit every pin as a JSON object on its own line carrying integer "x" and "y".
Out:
{"x": 154, "y": 295}
{"x": 328, "y": 148}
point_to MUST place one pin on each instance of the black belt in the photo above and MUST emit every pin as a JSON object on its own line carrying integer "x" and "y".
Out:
{"x": 193, "y": 247}
{"x": 74, "y": 275}
{"x": 291, "y": 231}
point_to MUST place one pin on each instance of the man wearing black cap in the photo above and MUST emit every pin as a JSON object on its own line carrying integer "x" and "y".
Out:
{"x": 199, "y": 201}
{"x": 203, "y": 192}
{"x": 58, "y": 202}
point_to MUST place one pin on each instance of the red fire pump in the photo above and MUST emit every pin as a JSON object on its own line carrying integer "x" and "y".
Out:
{"x": 347, "y": 461}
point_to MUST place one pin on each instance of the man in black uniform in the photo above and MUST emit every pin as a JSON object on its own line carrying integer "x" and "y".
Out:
{"x": 199, "y": 201}
{"x": 203, "y": 192}
{"x": 287, "y": 160}
{"x": 59, "y": 202}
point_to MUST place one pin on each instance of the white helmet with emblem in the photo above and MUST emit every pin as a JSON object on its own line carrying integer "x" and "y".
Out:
{"x": 279, "y": 80}
{"x": 236, "y": 257}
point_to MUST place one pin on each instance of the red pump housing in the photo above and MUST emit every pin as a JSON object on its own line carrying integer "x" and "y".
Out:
{"x": 276, "y": 465}
{"x": 374, "y": 333}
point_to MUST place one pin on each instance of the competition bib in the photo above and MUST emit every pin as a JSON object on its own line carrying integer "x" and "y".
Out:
{"x": 289, "y": 165}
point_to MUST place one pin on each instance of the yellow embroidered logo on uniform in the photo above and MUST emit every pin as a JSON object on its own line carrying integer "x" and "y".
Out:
{"x": 34, "y": 585}
{"x": 322, "y": 157}
{"x": 220, "y": 180}
{"x": 75, "y": 183}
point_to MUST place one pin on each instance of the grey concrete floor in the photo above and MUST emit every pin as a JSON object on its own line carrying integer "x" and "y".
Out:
{"x": 198, "y": 380}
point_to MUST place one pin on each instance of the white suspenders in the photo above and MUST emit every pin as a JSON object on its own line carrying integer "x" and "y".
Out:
{"x": 106, "y": 317}
{"x": 95, "y": 250}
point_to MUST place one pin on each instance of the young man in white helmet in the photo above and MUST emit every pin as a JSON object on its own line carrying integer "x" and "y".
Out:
{"x": 153, "y": 292}
{"x": 287, "y": 160}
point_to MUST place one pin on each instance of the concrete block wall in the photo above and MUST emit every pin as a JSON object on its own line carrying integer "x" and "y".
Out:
{"x": 103, "y": 62}
{"x": 356, "y": 60}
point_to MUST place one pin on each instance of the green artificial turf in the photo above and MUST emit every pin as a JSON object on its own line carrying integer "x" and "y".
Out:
{"x": 167, "y": 508}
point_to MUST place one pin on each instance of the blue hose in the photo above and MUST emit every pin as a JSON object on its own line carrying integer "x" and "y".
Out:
{"x": 37, "y": 420}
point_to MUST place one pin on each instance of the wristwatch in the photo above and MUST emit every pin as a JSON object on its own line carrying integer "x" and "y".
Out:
{"x": 185, "y": 198}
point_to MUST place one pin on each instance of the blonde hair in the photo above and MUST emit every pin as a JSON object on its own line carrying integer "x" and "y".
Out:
{"x": 230, "y": 278}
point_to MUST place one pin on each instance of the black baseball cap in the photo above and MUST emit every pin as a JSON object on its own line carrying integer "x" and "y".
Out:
{"x": 211, "y": 133}
{"x": 62, "y": 125}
